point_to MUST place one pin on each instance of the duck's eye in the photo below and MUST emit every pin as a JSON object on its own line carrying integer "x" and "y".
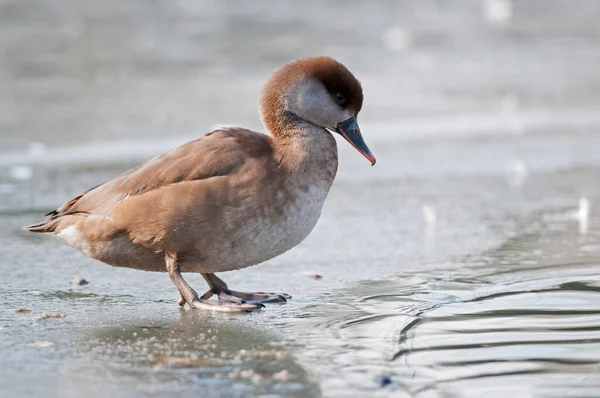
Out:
{"x": 341, "y": 99}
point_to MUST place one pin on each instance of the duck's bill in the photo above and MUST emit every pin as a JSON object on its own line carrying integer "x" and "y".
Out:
{"x": 351, "y": 132}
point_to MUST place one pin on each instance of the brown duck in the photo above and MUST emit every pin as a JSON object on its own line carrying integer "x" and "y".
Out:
{"x": 230, "y": 199}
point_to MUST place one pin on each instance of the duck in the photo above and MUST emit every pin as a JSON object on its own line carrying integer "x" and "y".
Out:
{"x": 232, "y": 198}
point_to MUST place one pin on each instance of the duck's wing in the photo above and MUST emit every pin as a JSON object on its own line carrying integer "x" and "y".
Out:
{"x": 219, "y": 153}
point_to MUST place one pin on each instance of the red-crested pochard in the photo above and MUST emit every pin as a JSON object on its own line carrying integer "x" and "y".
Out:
{"x": 230, "y": 199}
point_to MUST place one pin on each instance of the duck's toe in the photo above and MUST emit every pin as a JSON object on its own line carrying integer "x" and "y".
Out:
{"x": 261, "y": 297}
{"x": 225, "y": 306}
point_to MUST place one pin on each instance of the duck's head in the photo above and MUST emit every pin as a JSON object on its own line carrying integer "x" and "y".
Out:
{"x": 319, "y": 91}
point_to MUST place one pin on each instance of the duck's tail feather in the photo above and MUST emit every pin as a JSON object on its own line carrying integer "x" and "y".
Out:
{"x": 52, "y": 224}
{"x": 45, "y": 227}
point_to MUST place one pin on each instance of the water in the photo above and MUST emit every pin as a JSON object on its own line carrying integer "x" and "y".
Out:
{"x": 463, "y": 264}
{"x": 520, "y": 319}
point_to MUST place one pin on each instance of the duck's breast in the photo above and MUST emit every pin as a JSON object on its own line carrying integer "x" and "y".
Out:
{"x": 278, "y": 226}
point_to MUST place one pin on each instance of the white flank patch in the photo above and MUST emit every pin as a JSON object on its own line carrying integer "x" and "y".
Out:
{"x": 72, "y": 237}
{"x": 69, "y": 234}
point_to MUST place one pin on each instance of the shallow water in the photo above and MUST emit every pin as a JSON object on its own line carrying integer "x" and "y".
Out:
{"x": 462, "y": 264}
{"x": 521, "y": 319}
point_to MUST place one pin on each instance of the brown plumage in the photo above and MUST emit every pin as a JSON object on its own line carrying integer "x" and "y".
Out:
{"x": 230, "y": 199}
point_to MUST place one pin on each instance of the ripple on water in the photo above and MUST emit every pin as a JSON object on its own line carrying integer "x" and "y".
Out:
{"x": 525, "y": 321}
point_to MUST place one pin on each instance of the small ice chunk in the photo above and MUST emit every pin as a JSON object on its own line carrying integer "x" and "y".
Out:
{"x": 583, "y": 215}
{"x": 497, "y": 12}
{"x": 517, "y": 173}
{"x": 42, "y": 344}
{"x": 584, "y": 209}
{"x": 429, "y": 215}
{"x": 21, "y": 172}
{"x": 396, "y": 38}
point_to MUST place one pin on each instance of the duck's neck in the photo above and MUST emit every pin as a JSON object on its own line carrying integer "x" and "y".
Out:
{"x": 306, "y": 151}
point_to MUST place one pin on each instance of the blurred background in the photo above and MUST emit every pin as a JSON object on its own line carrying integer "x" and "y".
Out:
{"x": 464, "y": 263}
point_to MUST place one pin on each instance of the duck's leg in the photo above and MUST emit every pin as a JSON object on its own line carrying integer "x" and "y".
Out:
{"x": 218, "y": 287}
{"x": 189, "y": 295}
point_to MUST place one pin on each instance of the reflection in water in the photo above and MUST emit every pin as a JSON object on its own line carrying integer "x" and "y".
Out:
{"x": 198, "y": 355}
{"x": 524, "y": 318}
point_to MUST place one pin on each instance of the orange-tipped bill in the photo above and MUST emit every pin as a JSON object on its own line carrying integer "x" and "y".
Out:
{"x": 351, "y": 132}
